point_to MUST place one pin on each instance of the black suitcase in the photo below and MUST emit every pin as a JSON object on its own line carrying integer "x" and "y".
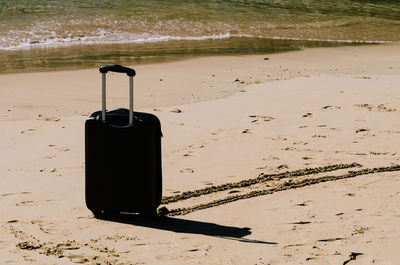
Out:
{"x": 122, "y": 157}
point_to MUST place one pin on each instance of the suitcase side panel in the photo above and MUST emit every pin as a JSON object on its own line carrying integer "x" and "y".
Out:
{"x": 130, "y": 182}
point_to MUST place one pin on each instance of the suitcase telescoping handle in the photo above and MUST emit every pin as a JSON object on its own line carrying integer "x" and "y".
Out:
{"x": 119, "y": 69}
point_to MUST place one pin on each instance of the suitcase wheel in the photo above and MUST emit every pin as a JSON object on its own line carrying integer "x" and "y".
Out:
{"x": 101, "y": 214}
{"x": 149, "y": 213}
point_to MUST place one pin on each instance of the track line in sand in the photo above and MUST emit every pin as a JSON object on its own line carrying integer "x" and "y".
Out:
{"x": 287, "y": 185}
{"x": 260, "y": 179}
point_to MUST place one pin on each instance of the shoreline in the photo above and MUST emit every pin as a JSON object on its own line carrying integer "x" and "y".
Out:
{"x": 86, "y": 56}
{"x": 332, "y": 110}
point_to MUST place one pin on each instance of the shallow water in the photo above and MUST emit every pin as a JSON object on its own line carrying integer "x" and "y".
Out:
{"x": 40, "y": 34}
{"x": 88, "y": 56}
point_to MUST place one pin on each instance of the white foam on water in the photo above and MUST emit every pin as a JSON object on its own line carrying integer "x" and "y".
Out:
{"x": 104, "y": 39}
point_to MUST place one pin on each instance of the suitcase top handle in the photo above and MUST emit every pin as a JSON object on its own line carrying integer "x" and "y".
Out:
{"x": 119, "y": 69}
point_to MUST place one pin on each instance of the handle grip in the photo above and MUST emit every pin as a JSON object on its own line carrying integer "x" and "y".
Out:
{"x": 117, "y": 68}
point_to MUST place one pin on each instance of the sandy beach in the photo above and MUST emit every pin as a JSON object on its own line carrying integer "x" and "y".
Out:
{"x": 287, "y": 158}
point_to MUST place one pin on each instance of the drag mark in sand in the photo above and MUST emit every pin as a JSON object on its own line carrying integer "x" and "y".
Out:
{"x": 249, "y": 182}
{"x": 282, "y": 187}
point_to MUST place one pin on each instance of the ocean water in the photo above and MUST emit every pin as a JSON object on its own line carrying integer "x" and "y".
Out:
{"x": 37, "y": 35}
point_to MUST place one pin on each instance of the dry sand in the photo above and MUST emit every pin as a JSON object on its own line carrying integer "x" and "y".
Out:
{"x": 255, "y": 122}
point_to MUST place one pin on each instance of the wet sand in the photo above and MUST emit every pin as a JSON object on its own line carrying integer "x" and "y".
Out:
{"x": 287, "y": 158}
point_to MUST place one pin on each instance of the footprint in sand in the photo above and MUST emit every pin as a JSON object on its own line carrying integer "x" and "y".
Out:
{"x": 52, "y": 119}
{"x": 50, "y": 157}
{"x": 208, "y": 183}
{"x": 379, "y": 108}
{"x": 257, "y": 118}
{"x": 17, "y": 193}
{"x": 25, "y": 203}
{"x": 301, "y": 223}
{"x": 78, "y": 259}
{"x": 318, "y": 136}
{"x": 362, "y": 130}
{"x": 51, "y": 170}
{"x": 300, "y": 143}
{"x": 359, "y": 230}
{"x": 352, "y": 256}
{"x": 28, "y": 245}
{"x": 327, "y": 107}
{"x": 278, "y": 138}
{"x": 331, "y": 239}
{"x": 378, "y": 153}
{"x": 284, "y": 166}
{"x": 45, "y": 227}
{"x": 190, "y": 153}
{"x": 331, "y": 107}
{"x": 187, "y": 170}
{"x": 60, "y": 148}
{"x": 271, "y": 158}
{"x": 28, "y": 131}
{"x": 193, "y": 250}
